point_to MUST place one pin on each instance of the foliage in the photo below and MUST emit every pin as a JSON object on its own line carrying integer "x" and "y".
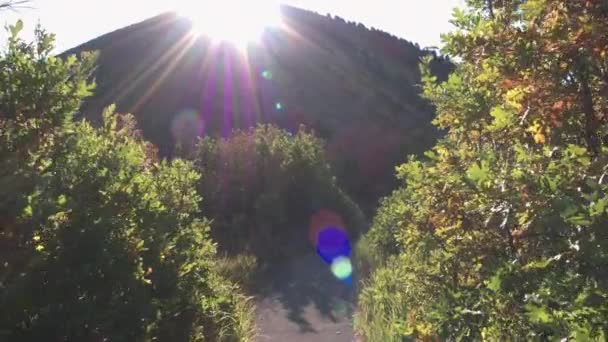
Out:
{"x": 32, "y": 81}
{"x": 104, "y": 241}
{"x": 381, "y": 236}
{"x": 382, "y": 307}
{"x": 267, "y": 185}
{"x": 241, "y": 269}
{"x": 502, "y": 227}
{"x": 379, "y": 244}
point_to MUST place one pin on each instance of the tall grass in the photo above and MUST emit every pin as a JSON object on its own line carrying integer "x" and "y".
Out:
{"x": 239, "y": 324}
{"x": 240, "y": 269}
{"x": 365, "y": 259}
{"x": 245, "y": 320}
{"x": 381, "y": 310}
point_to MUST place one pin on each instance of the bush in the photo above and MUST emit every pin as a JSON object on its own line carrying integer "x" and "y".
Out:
{"x": 501, "y": 229}
{"x": 380, "y": 243}
{"x": 267, "y": 184}
{"x": 106, "y": 241}
{"x": 382, "y": 234}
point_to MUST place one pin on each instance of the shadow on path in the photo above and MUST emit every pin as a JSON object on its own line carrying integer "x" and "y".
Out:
{"x": 303, "y": 301}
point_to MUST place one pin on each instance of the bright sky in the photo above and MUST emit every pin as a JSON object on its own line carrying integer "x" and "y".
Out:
{"x": 77, "y": 21}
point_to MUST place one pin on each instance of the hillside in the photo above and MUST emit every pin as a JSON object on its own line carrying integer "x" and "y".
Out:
{"x": 356, "y": 87}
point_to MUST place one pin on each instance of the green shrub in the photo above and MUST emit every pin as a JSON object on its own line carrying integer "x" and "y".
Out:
{"x": 501, "y": 229}
{"x": 105, "y": 241}
{"x": 382, "y": 234}
{"x": 267, "y": 184}
{"x": 375, "y": 247}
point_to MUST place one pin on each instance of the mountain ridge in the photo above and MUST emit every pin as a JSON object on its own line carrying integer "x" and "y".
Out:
{"x": 355, "y": 87}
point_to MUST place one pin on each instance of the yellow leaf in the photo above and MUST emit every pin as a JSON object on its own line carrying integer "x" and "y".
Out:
{"x": 537, "y": 130}
{"x": 534, "y": 128}
{"x": 539, "y": 138}
{"x": 514, "y": 97}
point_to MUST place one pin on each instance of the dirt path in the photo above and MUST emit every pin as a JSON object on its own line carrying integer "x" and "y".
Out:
{"x": 304, "y": 302}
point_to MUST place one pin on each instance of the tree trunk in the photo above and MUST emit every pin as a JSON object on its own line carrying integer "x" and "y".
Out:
{"x": 490, "y": 4}
{"x": 591, "y": 122}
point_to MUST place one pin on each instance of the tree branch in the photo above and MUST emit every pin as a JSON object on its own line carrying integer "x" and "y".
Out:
{"x": 14, "y": 4}
{"x": 591, "y": 122}
{"x": 490, "y": 4}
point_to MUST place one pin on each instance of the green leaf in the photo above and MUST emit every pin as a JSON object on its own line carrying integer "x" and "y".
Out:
{"x": 538, "y": 264}
{"x": 538, "y": 314}
{"x": 579, "y": 153}
{"x": 61, "y": 200}
{"x": 518, "y": 173}
{"x": 16, "y": 29}
{"x": 582, "y": 334}
{"x": 27, "y": 211}
{"x": 578, "y": 220}
{"x": 549, "y": 183}
{"x": 479, "y": 173}
{"x": 533, "y": 8}
{"x": 431, "y": 155}
{"x": 502, "y": 118}
{"x": 495, "y": 282}
{"x": 598, "y": 208}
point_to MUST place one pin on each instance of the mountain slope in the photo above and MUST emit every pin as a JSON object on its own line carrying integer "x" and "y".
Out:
{"x": 356, "y": 87}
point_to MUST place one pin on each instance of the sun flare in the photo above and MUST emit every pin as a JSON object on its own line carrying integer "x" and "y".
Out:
{"x": 237, "y": 22}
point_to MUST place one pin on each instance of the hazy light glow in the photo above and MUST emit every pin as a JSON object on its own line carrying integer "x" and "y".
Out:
{"x": 332, "y": 243}
{"x": 267, "y": 74}
{"x": 321, "y": 220}
{"x": 418, "y": 21}
{"x": 186, "y": 126}
{"x": 342, "y": 268}
{"x": 237, "y": 22}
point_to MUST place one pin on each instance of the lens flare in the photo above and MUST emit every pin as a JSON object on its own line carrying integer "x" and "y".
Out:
{"x": 342, "y": 268}
{"x": 238, "y": 22}
{"x": 267, "y": 74}
{"x": 333, "y": 243}
{"x": 331, "y": 240}
{"x": 320, "y": 220}
{"x": 186, "y": 126}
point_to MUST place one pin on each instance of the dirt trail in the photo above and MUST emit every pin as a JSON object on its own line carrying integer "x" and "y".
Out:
{"x": 304, "y": 302}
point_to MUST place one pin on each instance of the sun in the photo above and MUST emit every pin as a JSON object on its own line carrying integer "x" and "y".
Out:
{"x": 237, "y": 22}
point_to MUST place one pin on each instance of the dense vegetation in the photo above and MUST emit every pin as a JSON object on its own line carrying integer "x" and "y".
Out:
{"x": 99, "y": 240}
{"x": 356, "y": 87}
{"x": 500, "y": 232}
{"x": 267, "y": 184}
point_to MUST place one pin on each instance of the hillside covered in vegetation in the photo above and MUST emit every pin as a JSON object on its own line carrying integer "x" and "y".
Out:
{"x": 357, "y": 88}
